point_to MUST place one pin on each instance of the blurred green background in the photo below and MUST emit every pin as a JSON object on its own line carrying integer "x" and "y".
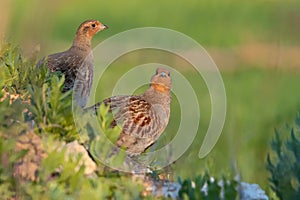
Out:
{"x": 254, "y": 43}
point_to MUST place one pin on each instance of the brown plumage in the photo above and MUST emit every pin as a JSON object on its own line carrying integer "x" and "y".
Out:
{"x": 77, "y": 62}
{"x": 144, "y": 117}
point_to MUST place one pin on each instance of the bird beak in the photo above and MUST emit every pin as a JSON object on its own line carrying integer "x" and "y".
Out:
{"x": 104, "y": 27}
{"x": 163, "y": 74}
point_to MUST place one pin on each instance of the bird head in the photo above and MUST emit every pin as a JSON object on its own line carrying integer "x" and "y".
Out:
{"x": 161, "y": 81}
{"x": 89, "y": 28}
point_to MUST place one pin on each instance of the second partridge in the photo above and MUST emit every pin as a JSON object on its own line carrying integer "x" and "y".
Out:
{"x": 142, "y": 118}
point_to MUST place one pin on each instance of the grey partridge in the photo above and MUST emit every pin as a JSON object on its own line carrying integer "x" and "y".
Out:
{"x": 142, "y": 118}
{"x": 77, "y": 62}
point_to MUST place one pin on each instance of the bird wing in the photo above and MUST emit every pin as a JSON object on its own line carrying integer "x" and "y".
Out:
{"x": 83, "y": 82}
{"x": 61, "y": 61}
{"x": 68, "y": 63}
{"x": 140, "y": 121}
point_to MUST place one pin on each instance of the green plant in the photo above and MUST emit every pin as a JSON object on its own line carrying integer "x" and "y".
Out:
{"x": 52, "y": 110}
{"x": 38, "y": 98}
{"x": 104, "y": 139}
{"x": 18, "y": 72}
{"x": 8, "y": 184}
{"x": 204, "y": 187}
{"x": 47, "y": 106}
{"x": 284, "y": 163}
{"x": 59, "y": 178}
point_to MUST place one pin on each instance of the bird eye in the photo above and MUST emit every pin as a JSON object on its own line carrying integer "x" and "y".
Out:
{"x": 93, "y": 25}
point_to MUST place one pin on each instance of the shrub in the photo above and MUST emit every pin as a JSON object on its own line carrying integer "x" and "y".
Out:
{"x": 283, "y": 163}
{"x": 38, "y": 98}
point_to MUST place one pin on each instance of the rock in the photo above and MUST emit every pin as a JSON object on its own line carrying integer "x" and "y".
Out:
{"x": 26, "y": 168}
{"x": 252, "y": 192}
{"x": 73, "y": 149}
{"x": 165, "y": 188}
{"x": 159, "y": 187}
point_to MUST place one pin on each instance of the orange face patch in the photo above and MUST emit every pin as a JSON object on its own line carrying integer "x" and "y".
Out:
{"x": 92, "y": 32}
{"x": 96, "y": 29}
{"x": 160, "y": 88}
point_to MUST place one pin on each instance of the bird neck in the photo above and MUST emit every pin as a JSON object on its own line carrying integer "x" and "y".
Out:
{"x": 154, "y": 95}
{"x": 160, "y": 88}
{"x": 82, "y": 43}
